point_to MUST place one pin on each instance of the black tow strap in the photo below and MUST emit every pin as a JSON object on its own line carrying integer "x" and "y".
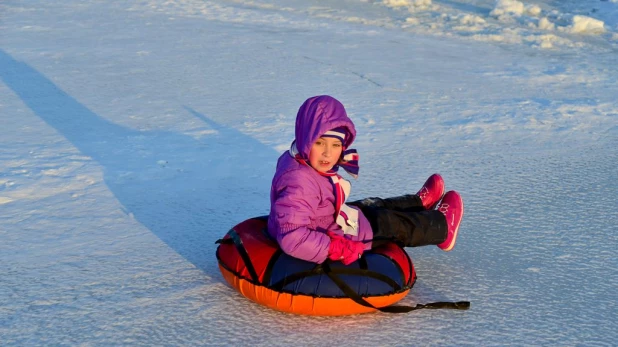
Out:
{"x": 350, "y": 293}
{"x": 235, "y": 239}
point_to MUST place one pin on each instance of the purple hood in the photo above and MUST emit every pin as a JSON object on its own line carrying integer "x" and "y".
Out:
{"x": 316, "y": 116}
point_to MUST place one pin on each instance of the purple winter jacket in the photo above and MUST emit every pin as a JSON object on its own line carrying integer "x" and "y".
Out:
{"x": 302, "y": 202}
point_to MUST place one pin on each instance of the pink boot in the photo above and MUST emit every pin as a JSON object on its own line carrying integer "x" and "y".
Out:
{"x": 452, "y": 207}
{"x": 432, "y": 191}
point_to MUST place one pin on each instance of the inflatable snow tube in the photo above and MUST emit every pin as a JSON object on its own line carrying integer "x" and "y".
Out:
{"x": 253, "y": 263}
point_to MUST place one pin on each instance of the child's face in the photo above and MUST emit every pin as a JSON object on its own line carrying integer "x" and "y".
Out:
{"x": 325, "y": 153}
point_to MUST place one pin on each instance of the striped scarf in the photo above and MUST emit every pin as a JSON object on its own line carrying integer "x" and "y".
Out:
{"x": 346, "y": 216}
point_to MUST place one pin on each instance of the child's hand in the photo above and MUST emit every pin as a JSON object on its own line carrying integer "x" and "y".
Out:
{"x": 347, "y": 251}
{"x": 354, "y": 250}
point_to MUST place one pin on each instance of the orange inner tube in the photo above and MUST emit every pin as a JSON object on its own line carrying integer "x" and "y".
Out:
{"x": 304, "y": 304}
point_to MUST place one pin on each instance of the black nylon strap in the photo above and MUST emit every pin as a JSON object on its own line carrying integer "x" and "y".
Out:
{"x": 461, "y": 305}
{"x": 295, "y": 277}
{"x": 367, "y": 273}
{"x": 349, "y": 292}
{"x": 235, "y": 238}
{"x": 458, "y": 305}
{"x": 318, "y": 270}
{"x": 224, "y": 241}
{"x": 269, "y": 267}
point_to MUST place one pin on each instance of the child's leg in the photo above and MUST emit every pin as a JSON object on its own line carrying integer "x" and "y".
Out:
{"x": 410, "y": 228}
{"x": 407, "y": 202}
{"x": 426, "y": 198}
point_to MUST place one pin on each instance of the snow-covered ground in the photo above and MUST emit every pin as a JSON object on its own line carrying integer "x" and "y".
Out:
{"x": 136, "y": 133}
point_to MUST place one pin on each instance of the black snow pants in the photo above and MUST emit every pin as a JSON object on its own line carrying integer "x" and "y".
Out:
{"x": 404, "y": 220}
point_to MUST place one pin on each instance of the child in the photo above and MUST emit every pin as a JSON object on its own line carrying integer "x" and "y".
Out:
{"x": 308, "y": 215}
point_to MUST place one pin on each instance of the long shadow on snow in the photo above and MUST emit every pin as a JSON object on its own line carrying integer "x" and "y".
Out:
{"x": 204, "y": 188}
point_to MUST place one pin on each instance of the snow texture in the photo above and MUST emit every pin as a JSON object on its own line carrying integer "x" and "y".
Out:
{"x": 136, "y": 133}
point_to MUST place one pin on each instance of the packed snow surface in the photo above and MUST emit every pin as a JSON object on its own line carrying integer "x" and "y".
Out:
{"x": 136, "y": 133}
